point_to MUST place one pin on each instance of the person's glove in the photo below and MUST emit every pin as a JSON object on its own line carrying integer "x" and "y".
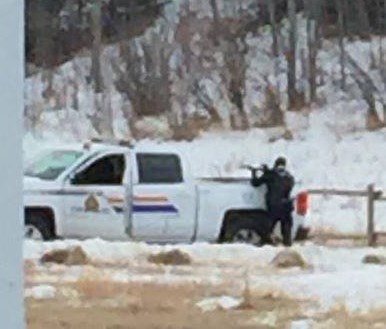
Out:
{"x": 265, "y": 168}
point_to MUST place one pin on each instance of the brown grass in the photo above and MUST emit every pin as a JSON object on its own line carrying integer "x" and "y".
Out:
{"x": 150, "y": 306}
{"x": 341, "y": 318}
{"x": 100, "y": 289}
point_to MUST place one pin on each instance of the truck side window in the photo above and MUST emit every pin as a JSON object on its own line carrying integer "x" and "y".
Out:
{"x": 159, "y": 168}
{"x": 108, "y": 170}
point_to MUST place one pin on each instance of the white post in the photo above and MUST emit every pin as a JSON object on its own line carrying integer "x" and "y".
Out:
{"x": 11, "y": 111}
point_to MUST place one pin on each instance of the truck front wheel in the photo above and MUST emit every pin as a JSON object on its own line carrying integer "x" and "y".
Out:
{"x": 37, "y": 227}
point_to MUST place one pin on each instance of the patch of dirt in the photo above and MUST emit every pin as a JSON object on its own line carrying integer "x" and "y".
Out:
{"x": 173, "y": 257}
{"x": 71, "y": 256}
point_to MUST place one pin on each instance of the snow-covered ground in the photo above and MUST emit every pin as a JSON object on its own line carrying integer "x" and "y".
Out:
{"x": 333, "y": 276}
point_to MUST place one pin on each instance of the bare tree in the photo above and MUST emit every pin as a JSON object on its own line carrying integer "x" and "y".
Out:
{"x": 313, "y": 9}
{"x": 235, "y": 76}
{"x": 145, "y": 76}
{"x": 340, "y": 8}
{"x": 275, "y": 42}
{"x": 191, "y": 72}
{"x": 205, "y": 101}
{"x": 220, "y": 35}
{"x": 277, "y": 116}
{"x": 369, "y": 92}
{"x": 364, "y": 24}
{"x": 229, "y": 36}
{"x": 96, "y": 28}
{"x": 382, "y": 30}
{"x": 291, "y": 55}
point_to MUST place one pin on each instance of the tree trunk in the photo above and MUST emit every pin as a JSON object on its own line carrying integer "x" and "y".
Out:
{"x": 216, "y": 17}
{"x": 382, "y": 23}
{"x": 272, "y": 16}
{"x": 364, "y": 25}
{"x": 272, "y": 106}
{"x": 340, "y": 8}
{"x": 382, "y": 63}
{"x": 382, "y": 29}
{"x": 275, "y": 42}
{"x": 291, "y": 57}
{"x": 96, "y": 74}
{"x": 237, "y": 99}
{"x": 369, "y": 90}
{"x": 313, "y": 9}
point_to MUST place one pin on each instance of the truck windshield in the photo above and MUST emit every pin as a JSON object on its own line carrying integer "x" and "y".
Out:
{"x": 50, "y": 165}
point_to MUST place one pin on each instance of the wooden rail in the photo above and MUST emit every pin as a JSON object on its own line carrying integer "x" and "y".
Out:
{"x": 372, "y": 196}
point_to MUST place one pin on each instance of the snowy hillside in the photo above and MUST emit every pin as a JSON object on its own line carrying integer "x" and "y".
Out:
{"x": 192, "y": 78}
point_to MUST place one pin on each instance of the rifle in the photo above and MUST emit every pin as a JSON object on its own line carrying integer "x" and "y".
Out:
{"x": 254, "y": 170}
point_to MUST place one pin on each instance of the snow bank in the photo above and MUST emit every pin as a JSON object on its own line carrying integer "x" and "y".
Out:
{"x": 41, "y": 292}
{"x": 138, "y": 253}
{"x": 301, "y": 324}
{"x": 223, "y": 303}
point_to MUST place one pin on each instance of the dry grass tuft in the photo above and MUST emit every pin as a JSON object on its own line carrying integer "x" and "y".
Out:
{"x": 173, "y": 257}
{"x": 288, "y": 258}
{"x": 374, "y": 259}
{"x": 71, "y": 256}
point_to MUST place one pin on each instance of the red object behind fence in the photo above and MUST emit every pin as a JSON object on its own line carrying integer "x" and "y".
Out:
{"x": 302, "y": 203}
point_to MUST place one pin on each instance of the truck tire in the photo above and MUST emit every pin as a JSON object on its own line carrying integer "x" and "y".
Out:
{"x": 249, "y": 230}
{"x": 37, "y": 227}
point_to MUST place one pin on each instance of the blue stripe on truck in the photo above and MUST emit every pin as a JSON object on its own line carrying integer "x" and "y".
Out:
{"x": 155, "y": 208}
{"x": 149, "y": 209}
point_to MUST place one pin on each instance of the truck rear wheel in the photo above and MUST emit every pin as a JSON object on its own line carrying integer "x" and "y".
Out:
{"x": 37, "y": 227}
{"x": 247, "y": 235}
{"x": 248, "y": 230}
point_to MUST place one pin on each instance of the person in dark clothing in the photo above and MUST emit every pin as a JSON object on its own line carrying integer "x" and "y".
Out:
{"x": 279, "y": 184}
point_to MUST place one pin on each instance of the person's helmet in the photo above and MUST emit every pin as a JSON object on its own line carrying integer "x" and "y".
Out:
{"x": 280, "y": 162}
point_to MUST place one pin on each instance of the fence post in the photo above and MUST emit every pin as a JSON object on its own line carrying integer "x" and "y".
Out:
{"x": 370, "y": 216}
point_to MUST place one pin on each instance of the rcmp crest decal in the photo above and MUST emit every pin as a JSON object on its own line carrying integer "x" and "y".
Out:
{"x": 91, "y": 204}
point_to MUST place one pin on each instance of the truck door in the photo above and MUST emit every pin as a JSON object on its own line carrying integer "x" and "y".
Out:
{"x": 95, "y": 199}
{"x": 163, "y": 204}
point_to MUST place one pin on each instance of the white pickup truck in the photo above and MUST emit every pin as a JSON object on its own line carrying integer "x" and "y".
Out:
{"x": 120, "y": 192}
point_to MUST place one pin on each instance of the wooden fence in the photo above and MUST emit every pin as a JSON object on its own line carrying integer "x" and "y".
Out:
{"x": 372, "y": 196}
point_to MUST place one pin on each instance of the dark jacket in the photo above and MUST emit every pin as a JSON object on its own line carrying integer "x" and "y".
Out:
{"x": 279, "y": 184}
